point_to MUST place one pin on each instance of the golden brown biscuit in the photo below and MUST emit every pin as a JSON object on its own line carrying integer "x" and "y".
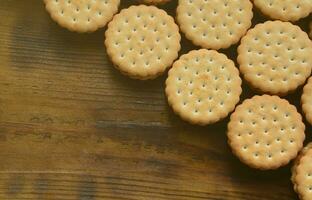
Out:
{"x": 275, "y": 57}
{"x": 266, "y": 132}
{"x": 302, "y": 174}
{"x": 142, "y": 41}
{"x": 214, "y": 24}
{"x": 285, "y": 10}
{"x": 297, "y": 162}
{"x": 82, "y": 15}
{"x": 306, "y": 100}
{"x": 203, "y": 86}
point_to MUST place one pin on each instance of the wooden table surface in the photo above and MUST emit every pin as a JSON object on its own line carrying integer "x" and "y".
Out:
{"x": 73, "y": 127}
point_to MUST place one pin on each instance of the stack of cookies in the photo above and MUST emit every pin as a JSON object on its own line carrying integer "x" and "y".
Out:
{"x": 204, "y": 85}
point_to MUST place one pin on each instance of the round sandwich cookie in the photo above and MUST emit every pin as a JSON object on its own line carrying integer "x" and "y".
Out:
{"x": 302, "y": 173}
{"x": 306, "y": 100}
{"x": 296, "y": 163}
{"x": 203, "y": 86}
{"x": 154, "y": 2}
{"x": 285, "y": 10}
{"x": 214, "y": 24}
{"x": 266, "y": 132}
{"x": 82, "y": 15}
{"x": 275, "y": 57}
{"x": 142, "y": 41}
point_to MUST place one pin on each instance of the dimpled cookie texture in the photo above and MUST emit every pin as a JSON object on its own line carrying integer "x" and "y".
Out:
{"x": 303, "y": 152}
{"x": 302, "y": 174}
{"x": 142, "y": 41}
{"x": 155, "y": 2}
{"x": 214, "y": 24}
{"x": 203, "y": 86}
{"x": 306, "y": 100}
{"x": 285, "y": 10}
{"x": 275, "y": 57}
{"x": 82, "y": 15}
{"x": 266, "y": 132}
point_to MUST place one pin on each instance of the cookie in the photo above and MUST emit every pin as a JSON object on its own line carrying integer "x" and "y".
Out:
{"x": 203, "y": 86}
{"x": 296, "y": 163}
{"x": 266, "y": 132}
{"x": 142, "y": 41}
{"x": 306, "y": 100}
{"x": 154, "y": 2}
{"x": 82, "y": 15}
{"x": 214, "y": 24}
{"x": 302, "y": 173}
{"x": 285, "y": 10}
{"x": 275, "y": 57}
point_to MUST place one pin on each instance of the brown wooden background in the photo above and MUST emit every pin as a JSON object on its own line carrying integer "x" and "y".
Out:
{"x": 72, "y": 127}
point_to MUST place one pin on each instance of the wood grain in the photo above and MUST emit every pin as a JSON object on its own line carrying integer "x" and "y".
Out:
{"x": 72, "y": 127}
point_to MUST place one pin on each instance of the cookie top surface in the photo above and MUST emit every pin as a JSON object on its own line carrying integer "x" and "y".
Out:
{"x": 266, "y": 132}
{"x": 285, "y": 10}
{"x": 275, "y": 57}
{"x": 203, "y": 86}
{"x": 296, "y": 163}
{"x": 306, "y": 100}
{"x": 82, "y": 15}
{"x": 302, "y": 175}
{"x": 142, "y": 41}
{"x": 214, "y": 24}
